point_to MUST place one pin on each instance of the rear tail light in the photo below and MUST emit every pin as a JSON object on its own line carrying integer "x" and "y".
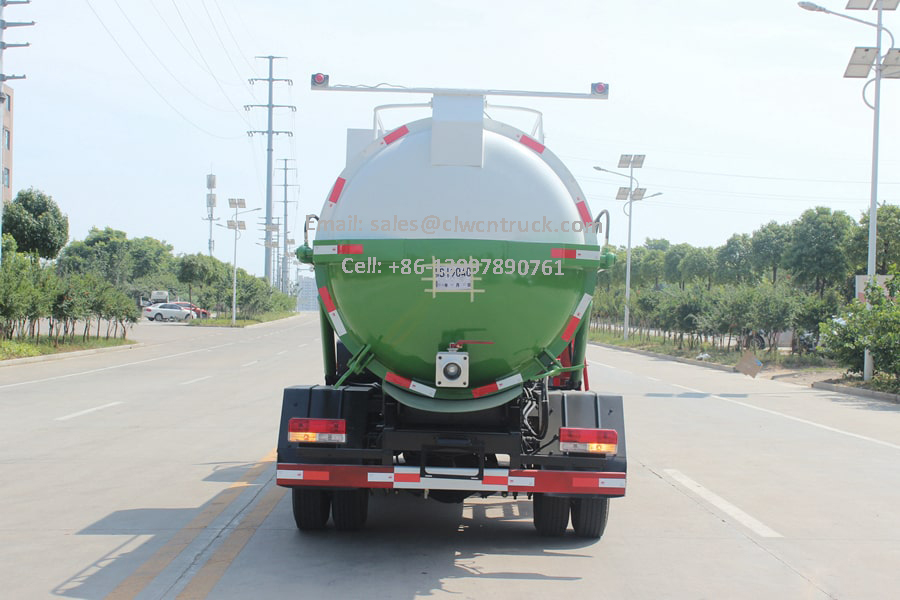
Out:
{"x": 595, "y": 441}
{"x": 331, "y": 431}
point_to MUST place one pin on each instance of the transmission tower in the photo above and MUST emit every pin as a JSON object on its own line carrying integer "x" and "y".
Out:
{"x": 285, "y": 258}
{"x": 6, "y": 180}
{"x": 270, "y": 133}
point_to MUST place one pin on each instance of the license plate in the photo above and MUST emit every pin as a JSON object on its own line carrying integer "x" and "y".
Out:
{"x": 451, "y": 277}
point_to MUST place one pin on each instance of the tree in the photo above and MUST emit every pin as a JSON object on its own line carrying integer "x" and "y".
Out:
{"x": 34, "y": 220}
{"x": 104, "y": 252}
{"x": 887, "y": 245}
{"x": 148, "y": 256}
{"x": 733, "y": 260}
{"x": 195, "y": 269}
{"x": 699, "y": 263}
{"x": 672, "y": 263}
{"x": 767, "y": 247}
{"x": 817, "y": 253}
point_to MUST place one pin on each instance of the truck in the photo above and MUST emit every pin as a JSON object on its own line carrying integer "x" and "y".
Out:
{"x": 159, "y": 296}
{"x": 455, "y": 259}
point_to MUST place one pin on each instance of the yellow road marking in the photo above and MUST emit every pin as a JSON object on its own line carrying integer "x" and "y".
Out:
{"x": 211, "y": 572}
{"x": 148, "y": 571}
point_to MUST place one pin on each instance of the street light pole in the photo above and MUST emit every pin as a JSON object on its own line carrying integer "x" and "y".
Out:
{"x": 631, "y": 194}
{"x": 868, "y": 365}
{"x": 236, "y": 203}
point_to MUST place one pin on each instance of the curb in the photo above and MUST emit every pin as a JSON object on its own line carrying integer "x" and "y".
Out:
{"x": 853, "y": 391}
{"x": 687, "y": 361}
{"x": 62, "y": 355}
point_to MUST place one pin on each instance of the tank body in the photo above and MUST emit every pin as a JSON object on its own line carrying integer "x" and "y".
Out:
{"x": 418, "y": 249}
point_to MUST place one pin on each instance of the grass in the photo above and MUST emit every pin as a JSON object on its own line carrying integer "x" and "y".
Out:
{"x": 254, "y": 320}
{"x": 660, "y": 345}
{"x": 879, "y": 383}
{"x": 27, "y": 348}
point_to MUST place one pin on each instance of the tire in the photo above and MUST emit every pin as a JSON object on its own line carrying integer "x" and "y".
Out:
{"x": 187, "y": 318}
{"x": 551, "y": 515}
{"x": 758, "y": 342}
{"x": 349, "y": 509}
{"x": 589, "y": 516}
{"x": 158, "y": 317}
{"x": 310, "y": 508}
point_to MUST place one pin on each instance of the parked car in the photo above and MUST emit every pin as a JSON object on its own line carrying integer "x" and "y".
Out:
{"x": 167, "y": 312}
{"x": 200, "y": 313}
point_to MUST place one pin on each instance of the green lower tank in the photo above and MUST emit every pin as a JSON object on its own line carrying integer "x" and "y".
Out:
{"x": 431, "y": 251}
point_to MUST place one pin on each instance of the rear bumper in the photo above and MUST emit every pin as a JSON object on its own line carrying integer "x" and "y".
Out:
{"x": 609, "y": 484}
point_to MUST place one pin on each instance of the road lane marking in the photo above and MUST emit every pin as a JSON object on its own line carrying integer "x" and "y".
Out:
{"x": 154, "y": 565}
{"x": 84, "y": 412}
{"x": 100, "y": 370}
{"x": 280, "y": 353}
{"x": 723, "y": 505}
{"x": 600, "y": 364}
{"x": 202, "y": 584}
{"x": 252, "y": 362}
{"x": 793, "y": 418}
{"x": 301, "y": 345}
{"x": 196, "y": 380}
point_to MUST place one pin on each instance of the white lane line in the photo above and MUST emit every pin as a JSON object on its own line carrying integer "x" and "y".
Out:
{"x": 616, "y": 369}
{"x": 652, "y": 378}
{"x": 792, "y": 418}
{"x": 813, "y": 423}
{"x": 196, "y": 380}
{"x": 84, "y": 412}
{"x": 726, "y": 507}
{"x": 280, "y": 353}
{"x": 252, "y": 362}
{"x": 301, "y": 345}
{"x": 100, "y": 370}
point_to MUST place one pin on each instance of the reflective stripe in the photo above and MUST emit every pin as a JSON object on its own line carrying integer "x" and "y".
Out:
{"x": 396, "y": 135}
{"x": 337, "y": 190}
{"x": 533, "y": 144}
{"x": 451, "y": 478}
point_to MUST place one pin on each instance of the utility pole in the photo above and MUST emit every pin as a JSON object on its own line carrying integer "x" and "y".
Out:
{"x": 6, "y": 180}
{"x": 269, "y": 149}
{"x": 285, "y": 262}
{"x": 210, "y": 205}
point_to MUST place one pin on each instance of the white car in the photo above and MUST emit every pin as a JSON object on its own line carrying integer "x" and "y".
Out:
{"x": 167, "y": 312}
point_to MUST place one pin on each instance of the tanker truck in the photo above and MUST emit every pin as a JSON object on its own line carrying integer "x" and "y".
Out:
{"x": 455, "y": 259}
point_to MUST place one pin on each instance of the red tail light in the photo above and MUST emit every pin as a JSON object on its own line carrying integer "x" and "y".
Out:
{"x": 595, "y": 441}
{"x": 332, "y": 431}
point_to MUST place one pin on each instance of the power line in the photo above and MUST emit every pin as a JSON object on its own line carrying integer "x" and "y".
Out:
{"x": 162, "y": 64}
{"x": 200, "y": 52}
{"x": 224, "y": 48}
{"x": 241, "y": 53}
{"x": 149, "y": 83}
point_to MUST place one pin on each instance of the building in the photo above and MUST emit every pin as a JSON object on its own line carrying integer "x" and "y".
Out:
{"x": 7, "y": 142}
{"x": 307, "y": 294}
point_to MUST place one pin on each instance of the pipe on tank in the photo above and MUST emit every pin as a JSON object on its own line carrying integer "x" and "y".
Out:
{"x": 580, "y": 350}
{"x": 328, "y": 353}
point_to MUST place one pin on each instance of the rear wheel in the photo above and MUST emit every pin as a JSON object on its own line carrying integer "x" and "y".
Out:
{"x": 589, "y": 516}
{"x": 158, "y": 317}
{"x": 349, "y": 509}
{"x": 551, "y": 515}
{"x": 310, "y": 508}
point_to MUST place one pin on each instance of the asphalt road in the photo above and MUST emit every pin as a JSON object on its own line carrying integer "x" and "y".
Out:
{"x": 148, "y": 473}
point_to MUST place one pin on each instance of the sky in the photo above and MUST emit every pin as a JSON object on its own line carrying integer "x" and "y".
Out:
{"x": 740, "y": 107}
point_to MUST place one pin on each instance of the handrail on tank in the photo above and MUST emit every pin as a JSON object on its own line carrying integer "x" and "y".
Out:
{"x": 378, "y": 126}
{"x": 537, "y": 131}
{"x": 600, "y": 214}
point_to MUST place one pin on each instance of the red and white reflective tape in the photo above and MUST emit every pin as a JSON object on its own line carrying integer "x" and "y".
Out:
{"x": 409, "y": 384}
{"x": 498, "y": 385}
{"x": 331, "y": 309}
{"x": 395, "y": 135}
{"x": 575, "y": 253}
{"x": 532, "y": 143}
{"x": 448, "y": 478}
{"x": 583, "y": 210}
{"x": 338, "y": 249}
{"x": 336, "y": 190}
{"x": 576, "y": 318}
